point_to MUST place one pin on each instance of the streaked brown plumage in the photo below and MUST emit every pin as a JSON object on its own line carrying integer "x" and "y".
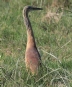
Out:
{"x": 32, "y": 56}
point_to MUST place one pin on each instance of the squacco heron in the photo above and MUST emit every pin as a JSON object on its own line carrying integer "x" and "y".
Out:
{"x": 32, "y": 56}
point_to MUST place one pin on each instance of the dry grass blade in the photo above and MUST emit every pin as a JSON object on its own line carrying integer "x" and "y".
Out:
{"x": 47, "y": 74}
{"x": 66, "y": 43}
{"x": 52, "y": 56}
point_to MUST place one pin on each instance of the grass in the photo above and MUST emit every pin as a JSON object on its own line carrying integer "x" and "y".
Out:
{"x": 54, "y": 42}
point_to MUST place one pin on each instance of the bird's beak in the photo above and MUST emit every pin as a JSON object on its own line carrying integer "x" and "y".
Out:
{"x": 37, "y": 8}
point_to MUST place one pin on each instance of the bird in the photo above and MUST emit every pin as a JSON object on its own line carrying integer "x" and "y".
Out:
{"x": 32, "y": 56}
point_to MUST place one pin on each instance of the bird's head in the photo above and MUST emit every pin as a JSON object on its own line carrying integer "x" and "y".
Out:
{"x": 30, "y": 8}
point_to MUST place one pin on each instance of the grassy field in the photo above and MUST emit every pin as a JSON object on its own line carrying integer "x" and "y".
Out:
{"x": 53, "y": 35}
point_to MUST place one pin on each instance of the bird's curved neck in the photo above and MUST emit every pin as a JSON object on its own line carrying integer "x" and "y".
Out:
{"x": 30, "y": 35}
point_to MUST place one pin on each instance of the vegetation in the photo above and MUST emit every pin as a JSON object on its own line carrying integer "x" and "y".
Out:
{"x": 53, "y": 34}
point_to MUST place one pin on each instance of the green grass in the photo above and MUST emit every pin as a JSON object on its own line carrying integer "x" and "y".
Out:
{"x": 54, "y": 42}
